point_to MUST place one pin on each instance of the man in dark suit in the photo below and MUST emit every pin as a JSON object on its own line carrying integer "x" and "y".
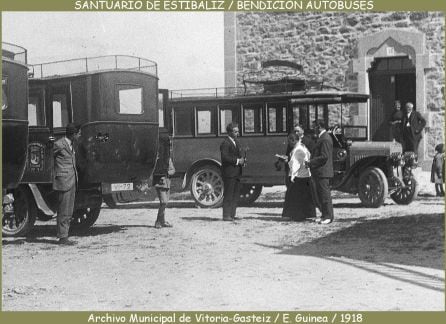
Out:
{"x": 412, "y": 124}
{"x": 321, "y": 166}
{"x": 231, "y": 169}
{"x": 65, "y": 181}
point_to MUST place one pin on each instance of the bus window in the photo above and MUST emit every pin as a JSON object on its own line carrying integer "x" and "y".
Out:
{"x": 161, "y": 109}
{"x": 253, "y": 118}
{"x": 300, "y": 116}
{"x": 60, "y": 110}
{"x": 4, "y": 93}
{"x": 205, "y": 120}
{"x": 130, "y": 99}
{"x": 277, "y": 118}
{"x": 183, "y": 119}
{"x": 228, "y": 114}
{"x": 36, "y": 112}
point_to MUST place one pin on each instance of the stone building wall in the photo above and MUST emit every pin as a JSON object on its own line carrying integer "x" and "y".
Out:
{"x": 326, "y": 44}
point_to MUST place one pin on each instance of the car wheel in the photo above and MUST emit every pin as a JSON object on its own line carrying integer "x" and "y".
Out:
{"x": 84, "y": 218}
{"x": 207, "y": 186}
{"x": 373, "y": 187}
{"x": 20, "y": 220}
{"x": 249, "y": 194}
{"x": 407, "y": 193}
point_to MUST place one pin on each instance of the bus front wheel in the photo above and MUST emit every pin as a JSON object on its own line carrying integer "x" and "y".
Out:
{"x": 207, "y": 186}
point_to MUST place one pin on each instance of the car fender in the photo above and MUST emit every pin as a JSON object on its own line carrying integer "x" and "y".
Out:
{"x": 196, "y": 164}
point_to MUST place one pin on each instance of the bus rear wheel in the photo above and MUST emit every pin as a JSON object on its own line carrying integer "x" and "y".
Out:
{"x": 249, "y": 194}
{"x": 84, "y": 218}
{"x": 207, "y": 186}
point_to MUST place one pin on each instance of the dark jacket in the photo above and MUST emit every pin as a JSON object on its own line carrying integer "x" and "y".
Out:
{"x": 229, "y": 155}
{"x": 417, "y": 123}
{"x": 163, "y": 181}
{"x": 321, "y": 162}
{"x": 65, "y": 173}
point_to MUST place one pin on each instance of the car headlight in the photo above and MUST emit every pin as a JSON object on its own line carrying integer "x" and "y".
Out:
{"x": 397, "y": 159}
{"x": 411, "y": 159}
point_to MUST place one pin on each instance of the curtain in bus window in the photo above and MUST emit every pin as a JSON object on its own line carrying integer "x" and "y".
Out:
{"x": 277, "y": 118}
{"x": 36, "y": 113}
{"x": 183, "y": 117}
{"x": 205, "y": 120}
{"x": 161, "y": 110}
{"x": 253, "y": 119}
{"x": 60, "y": 110}
{"x": 228, "y": 114}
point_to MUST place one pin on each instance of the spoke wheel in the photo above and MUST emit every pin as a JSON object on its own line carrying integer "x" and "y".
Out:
{"x": 373, "y": 187}
{"x": 207, "y": 187}
{"x": 249, "y": 194}
{"x": 84, "y": 218}
{"x": 407, "y": 193}
{"x": 19, "y": 220}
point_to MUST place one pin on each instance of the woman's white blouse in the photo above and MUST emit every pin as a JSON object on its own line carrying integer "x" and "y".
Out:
{"x": 299, "y": 155}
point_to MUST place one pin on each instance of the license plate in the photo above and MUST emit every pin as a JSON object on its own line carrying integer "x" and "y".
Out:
{"x": 121, "y": 186}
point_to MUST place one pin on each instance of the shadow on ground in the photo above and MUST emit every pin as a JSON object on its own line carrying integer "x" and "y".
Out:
{"x": 385, "y": 246}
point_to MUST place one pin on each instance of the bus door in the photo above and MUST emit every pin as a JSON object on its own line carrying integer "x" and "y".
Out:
{"x": 49, "y": 111}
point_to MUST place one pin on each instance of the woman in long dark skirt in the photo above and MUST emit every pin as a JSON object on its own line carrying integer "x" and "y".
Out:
{"x": 299, "y": 203}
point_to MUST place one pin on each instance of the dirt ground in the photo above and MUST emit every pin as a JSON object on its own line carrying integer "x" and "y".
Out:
{"x": 390, "y": 258}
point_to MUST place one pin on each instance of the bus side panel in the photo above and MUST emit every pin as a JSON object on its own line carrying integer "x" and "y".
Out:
{"x": 14, "y": 122}
{"x": 260, "y": 153}
{"x": 15, "y": 141}
{"x": 116, "y": 152}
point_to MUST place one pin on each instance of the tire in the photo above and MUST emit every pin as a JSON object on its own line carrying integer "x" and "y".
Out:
{"x": 249, "y": 194}
{"x": 373, "y": 187}
{"x": 206, "y": 186}
{"x": 84, "y": 218}
{"x": 404, "y": 196}
{"x": 109, "y": 201}
{"x": 21, "y": 221}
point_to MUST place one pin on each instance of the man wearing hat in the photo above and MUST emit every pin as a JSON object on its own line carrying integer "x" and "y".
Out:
{"x": 65, "y": 180}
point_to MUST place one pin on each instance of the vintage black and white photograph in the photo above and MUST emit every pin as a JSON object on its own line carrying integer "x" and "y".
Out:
{"x": 223, "y": 161}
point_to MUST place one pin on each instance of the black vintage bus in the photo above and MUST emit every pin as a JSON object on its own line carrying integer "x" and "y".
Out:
{"x": 115, "y": 100}
{"x": 14, "y": 113}
{"x": 14, "y": 128}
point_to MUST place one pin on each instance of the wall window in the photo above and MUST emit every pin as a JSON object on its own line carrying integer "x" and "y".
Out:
{"x": 277, "y": 118}
{"x": 130, "y": 100}
{"x": 205, "y": 120}
{"x": 60, "y": 110}
{"x": 184, "y": 123}
{"x": 253, "y": 118}
{"x": 228, "y": 114}
{"x": 36, "y": 112}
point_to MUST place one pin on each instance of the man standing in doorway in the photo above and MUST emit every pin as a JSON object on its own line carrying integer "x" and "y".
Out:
{"x": 232, "y": 163}
{"x": 412, "y": 124}
{"x": 321, "y": 165}
{"x": 65, "y": 181}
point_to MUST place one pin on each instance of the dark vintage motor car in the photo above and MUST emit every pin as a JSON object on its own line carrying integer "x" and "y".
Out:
{"x": 115, "y": 101}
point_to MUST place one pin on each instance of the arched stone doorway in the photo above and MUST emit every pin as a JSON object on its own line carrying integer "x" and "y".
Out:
{"x": 390, "y": 79}
{"x": 376, "y": 55}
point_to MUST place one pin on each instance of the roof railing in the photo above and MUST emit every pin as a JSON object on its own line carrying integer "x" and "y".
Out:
{"x": 14, "y": 52}
{"x": 94, "y": 64}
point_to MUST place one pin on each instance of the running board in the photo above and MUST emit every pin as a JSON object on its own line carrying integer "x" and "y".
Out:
{"x": 40, "y": 202}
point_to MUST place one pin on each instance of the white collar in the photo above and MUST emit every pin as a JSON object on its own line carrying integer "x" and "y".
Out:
{"x": 70, "y": 143}
{"x": 323, "y": 131}
{"x": 232, "y": 140}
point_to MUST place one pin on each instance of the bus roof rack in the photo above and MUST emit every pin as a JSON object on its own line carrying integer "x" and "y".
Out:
{"x": 92, "y": 65}
{"x": 14, "y": 52}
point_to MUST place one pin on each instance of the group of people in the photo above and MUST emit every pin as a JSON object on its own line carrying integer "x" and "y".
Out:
{"x": 309, "y": 170}
{"x": 407, "y": 125}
